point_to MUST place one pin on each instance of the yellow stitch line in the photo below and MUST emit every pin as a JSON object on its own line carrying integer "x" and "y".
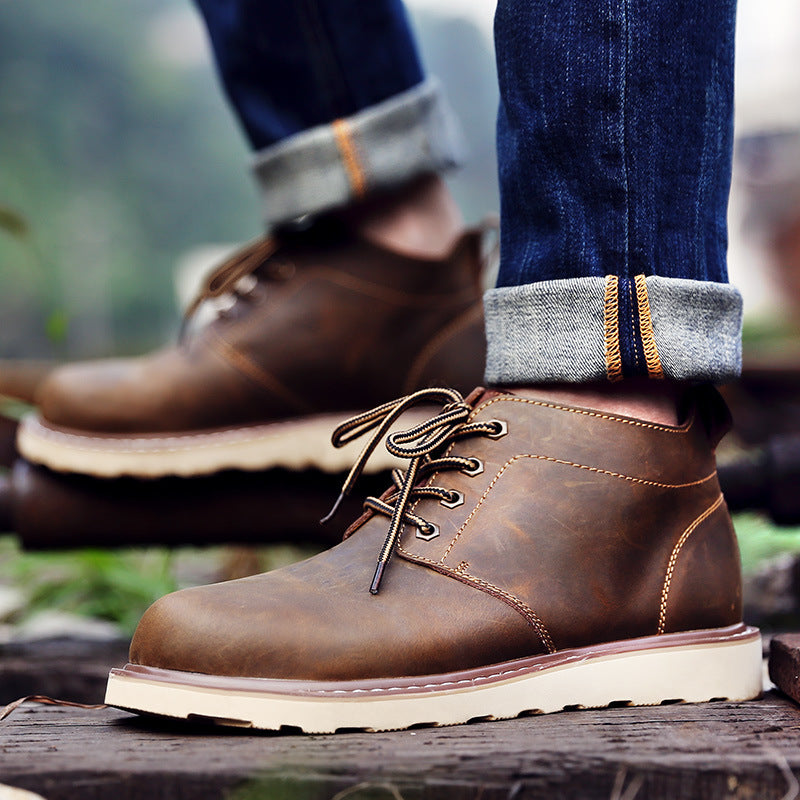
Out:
{"x": 520, "y": 605}
{"x": 530, "y": 613}
{"x": 596, "y": 470}
{"x": 249, "y": 368}
{"x": 654, "y": 368}
{"x": 352, "y": 163}
{"x": 583, "y": 412}
{"x": 611, "y": 326}
{"x": 662, "y": 615}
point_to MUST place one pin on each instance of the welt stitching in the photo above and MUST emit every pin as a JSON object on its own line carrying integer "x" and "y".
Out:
{"x": 652, "y": 359}
{"x": 611, "y": 325}
{"x": 596, "y": 470}
{"x": 662, "y": 614}
{"x": 442, "y": 684}
{"x": 609, "y": 417}
{"x": 520, "y": 605}
{"x": 350, "y": 157}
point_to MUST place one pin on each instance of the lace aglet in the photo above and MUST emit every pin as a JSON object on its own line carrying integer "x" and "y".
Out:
{"x": 376, "y": 580}
{"x": 332, "y": 513}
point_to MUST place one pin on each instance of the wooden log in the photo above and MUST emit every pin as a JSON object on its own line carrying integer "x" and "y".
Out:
{"x": 49, "y": 510}
{"x": 784, "y": 664}
{"x": 730, "y": 750}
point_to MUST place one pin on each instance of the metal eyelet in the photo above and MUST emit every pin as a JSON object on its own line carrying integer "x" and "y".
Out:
{"x": 476, "y": 470}
{"x": 246, "y": 285}
{"x": 283, "y": 270}
{"x": 502, "y": 428}
{"x": 430, "y": 532}
{"x": 458, "y": 499}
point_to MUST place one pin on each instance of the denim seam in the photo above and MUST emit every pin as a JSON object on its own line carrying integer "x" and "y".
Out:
{"x": 380, "y": 147}
{"x": 611, "y": 320}
{"x": 327, "y": 70}
{"x": 563, "y": 330}
{"x": 350, "y": 158}
{"x": 634, "y": 327}
{"x": 649, "y": 346}
{"x": 625, "y": 154}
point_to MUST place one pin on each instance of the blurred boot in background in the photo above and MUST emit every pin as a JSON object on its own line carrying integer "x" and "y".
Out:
{"x": 365, "y": 287}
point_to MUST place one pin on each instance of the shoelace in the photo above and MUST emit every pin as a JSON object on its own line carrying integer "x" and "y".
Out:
{"x": 227, "y": 278}
{"x": 419, "y": 444}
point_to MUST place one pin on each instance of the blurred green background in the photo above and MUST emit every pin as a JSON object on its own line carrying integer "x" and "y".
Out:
{"x": 118, "y": 154}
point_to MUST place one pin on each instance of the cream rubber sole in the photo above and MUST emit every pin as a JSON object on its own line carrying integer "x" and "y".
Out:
{"x": 293, "y": 444}
{"x": 688, "y": 667}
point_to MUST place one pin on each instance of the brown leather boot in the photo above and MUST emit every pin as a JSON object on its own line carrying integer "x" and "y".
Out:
{"x": 323, "y": 325}
{"x": 542, "y": 558}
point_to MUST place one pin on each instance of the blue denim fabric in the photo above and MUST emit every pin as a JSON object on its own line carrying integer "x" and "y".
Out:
{"x": 290, "y": 65}
{"x": 614, "y": 138}
{"x": 614, "y": 146}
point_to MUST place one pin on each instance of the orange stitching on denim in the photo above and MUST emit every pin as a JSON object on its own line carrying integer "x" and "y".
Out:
{"x": 662, "y": 614}
{"x": 611, "y": 324}
{"x": 609, "y": 417}
{"x": 520, "y": 605}
{"x": 550, "y": 459}
{"x": 352, "y": 163}
{"x": 654, "y": 368}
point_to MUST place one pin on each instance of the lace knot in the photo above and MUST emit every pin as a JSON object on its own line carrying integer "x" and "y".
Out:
{"x": 419, "y": 445}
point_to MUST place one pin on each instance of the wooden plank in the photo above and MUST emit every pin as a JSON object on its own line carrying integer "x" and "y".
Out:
{"x": 784, "y": 663}
{"x": 747, "y": 750}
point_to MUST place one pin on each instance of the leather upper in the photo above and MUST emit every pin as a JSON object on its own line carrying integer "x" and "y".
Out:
{"x": 302, "y": 341}
{"x": 582, "y": 528}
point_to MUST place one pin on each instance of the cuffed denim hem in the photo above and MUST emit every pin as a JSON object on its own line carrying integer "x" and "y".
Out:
{"x": 589, "y": 329}
{"x": 382, "y": 146}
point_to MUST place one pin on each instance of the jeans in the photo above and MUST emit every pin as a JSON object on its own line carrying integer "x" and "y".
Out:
{"x": 332, "y": 97}
{"x": 614, "y": 150}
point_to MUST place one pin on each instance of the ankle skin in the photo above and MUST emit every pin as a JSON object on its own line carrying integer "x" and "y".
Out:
{"x": 654, "y": 401}
{"x": 420, "y": 219}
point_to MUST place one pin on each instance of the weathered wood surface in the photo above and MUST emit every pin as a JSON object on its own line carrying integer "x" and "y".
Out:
{"x": 747, "y": 750}
{"x": 75, "y": 669}
{"x": 784, "y": 663}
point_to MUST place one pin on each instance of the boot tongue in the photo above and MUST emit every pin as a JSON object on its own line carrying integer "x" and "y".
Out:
{"x": 480, "y": 394}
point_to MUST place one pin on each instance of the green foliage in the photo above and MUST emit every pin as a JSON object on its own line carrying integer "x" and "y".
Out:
{"x": 115, "y": 160}
{"x": 112, "y": 585}
{"x": 12, "y": 408}
{"x": 13, "y": 223}
{"x": 760, "y": 540}
{"x": 57, "y": 326}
